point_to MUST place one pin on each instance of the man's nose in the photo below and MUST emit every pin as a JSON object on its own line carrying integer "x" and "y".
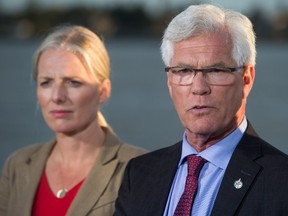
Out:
{"x": 199, "y": 84}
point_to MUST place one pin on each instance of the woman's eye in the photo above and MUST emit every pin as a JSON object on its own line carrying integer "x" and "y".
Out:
{"x": 44, "y": 83}
{"x": 73, "y": 83}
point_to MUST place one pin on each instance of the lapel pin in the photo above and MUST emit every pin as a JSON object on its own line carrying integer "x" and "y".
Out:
{"x": 238, "y": 184}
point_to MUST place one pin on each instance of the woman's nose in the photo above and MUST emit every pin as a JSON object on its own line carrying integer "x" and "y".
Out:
{"x": 59, "y": 94}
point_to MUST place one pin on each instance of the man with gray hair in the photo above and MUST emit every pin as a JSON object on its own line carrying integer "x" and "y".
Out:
{"x": 221, "y": 167}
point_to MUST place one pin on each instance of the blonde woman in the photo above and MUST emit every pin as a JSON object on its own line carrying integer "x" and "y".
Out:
{"x": 80, "y": 171}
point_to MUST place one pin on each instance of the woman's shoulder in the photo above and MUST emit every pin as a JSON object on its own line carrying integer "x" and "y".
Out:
{"x": 127, "y": 151}
{"x": 25, "y": 153}
{"x": 27, "y": 150}
{"x": 123, "y": 151}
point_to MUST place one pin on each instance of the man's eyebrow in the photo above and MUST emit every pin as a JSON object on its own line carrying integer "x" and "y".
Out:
{"x": 213, "y": 65}
{"x": 218, "y": 64}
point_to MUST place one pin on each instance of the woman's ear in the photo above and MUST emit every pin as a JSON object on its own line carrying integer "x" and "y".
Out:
{"x": 104, "y": 91}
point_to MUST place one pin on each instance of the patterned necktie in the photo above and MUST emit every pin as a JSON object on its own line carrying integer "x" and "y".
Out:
{"x": 184, "y": 206}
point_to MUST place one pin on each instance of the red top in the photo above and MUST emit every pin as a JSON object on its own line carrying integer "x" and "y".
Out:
{"x": 47, "y": 204}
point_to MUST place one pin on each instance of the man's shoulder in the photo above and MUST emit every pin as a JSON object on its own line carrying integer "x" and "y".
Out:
{"x": 262, "y": 152}
{"x": 161, "y": 154}
{"x": 252, "y": 143}
{"x": 273, "y": 154}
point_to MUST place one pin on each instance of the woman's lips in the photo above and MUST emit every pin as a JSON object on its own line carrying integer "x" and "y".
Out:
{"x": 60, "y": 113}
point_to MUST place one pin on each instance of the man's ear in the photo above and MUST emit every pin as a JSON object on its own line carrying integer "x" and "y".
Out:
{"x": 169, "y": 85}
{"x": 248, "y": 79}
{"x": 104, "y": 91}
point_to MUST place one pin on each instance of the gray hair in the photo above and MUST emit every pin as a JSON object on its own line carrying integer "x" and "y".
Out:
{"x": 205, "y": 18}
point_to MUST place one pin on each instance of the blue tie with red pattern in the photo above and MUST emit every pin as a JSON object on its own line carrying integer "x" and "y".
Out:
{"x": 184, "y": 206}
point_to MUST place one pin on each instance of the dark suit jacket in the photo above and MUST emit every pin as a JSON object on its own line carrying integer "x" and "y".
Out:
{"x": 262, "y": 169}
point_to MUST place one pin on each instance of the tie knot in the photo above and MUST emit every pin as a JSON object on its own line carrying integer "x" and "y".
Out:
{"x": 195, "y": 164}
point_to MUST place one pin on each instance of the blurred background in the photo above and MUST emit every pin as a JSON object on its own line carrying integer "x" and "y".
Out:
{"x": 140, "y": 110}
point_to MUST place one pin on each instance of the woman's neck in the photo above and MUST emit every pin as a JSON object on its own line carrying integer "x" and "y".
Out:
{"x": 80, "y": 147}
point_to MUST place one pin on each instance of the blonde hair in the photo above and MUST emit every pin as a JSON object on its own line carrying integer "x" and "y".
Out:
{"x": 85, "y": 44}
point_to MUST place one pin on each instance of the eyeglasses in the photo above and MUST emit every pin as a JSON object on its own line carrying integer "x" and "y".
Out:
{"x": 214, "y": 76}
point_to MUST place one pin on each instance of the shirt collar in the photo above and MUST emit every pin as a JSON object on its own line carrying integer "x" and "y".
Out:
{"x": 220, "y": 153}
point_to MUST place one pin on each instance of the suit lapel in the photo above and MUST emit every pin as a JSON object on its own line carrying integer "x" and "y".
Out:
{"x": 162, "y": 179}
{"x": 242, "y": 169}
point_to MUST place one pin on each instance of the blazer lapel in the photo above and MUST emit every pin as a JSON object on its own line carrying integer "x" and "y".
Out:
{"x": 239, "y": 176}
{"x": 92, "y": 189}
{"x": 98, "y": 178}
{"x": 29, "y": 180}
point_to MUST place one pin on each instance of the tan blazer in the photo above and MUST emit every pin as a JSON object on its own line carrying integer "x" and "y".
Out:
{"x": 22, "y": 173}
